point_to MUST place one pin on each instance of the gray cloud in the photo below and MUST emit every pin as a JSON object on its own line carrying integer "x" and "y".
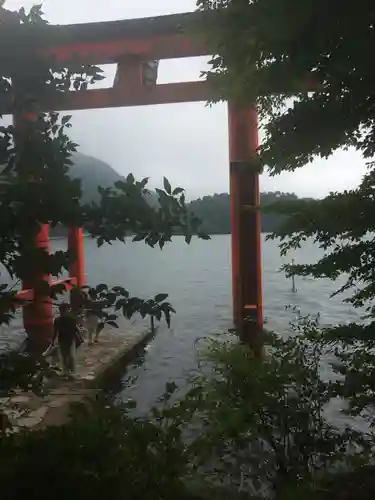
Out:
{"x": 188, "y": 142}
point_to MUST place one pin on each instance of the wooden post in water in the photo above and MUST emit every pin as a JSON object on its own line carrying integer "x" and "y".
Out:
{"x": 294, "y": 289}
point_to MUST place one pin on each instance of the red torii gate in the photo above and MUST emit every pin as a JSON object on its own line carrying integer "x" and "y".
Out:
{"x": 129, "y": 44}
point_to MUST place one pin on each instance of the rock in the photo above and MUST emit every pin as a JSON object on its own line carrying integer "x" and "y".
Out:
{"x": 33, "y": 418}
{"x": 20, "y": 400}
{"x": 59, "y": 402}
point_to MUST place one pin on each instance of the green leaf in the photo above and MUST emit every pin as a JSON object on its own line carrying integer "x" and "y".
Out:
{"x": 167, "y": 186}
{"x": 139, "y": 237}
{"x": 204, "y": 236}
{"x": 66, "y": 119}
{"x": 160, "y": 297}
{"x": 101, "y": 288}
{"x": 170, "y": 387}
{"x": 113, "y": 324}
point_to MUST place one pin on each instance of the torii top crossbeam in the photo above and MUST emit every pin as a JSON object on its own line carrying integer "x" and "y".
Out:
{"x": 127, "y": 43}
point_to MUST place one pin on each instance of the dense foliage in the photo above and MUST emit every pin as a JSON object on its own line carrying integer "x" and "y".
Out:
{"x": 246, "y": 428}
{"x": 102, "y": 453}
{"x": 266, "y": 426}
{"x": 305, "y": 66}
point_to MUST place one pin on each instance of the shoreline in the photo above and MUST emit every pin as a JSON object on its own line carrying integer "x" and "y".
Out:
{"x": 97, "y": 367}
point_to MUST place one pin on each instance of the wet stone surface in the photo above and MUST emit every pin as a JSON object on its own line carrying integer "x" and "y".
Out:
{"x": 27, "y": 410}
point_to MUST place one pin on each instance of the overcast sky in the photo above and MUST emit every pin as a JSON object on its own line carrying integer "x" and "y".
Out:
{"x": 186, "y": 142}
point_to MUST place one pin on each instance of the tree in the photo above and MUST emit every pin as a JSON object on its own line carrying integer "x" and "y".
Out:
{"x": 262, "y": 423}
{"x": 267, "y": 46}
{"x": 306, "y": 67}
{"x": 36, "y": 189}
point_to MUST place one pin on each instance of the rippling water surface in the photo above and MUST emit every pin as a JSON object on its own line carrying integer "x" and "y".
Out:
{"x": 198, "y": 280}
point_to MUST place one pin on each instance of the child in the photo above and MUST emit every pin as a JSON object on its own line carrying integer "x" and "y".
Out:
{"x": 92, "y": 315}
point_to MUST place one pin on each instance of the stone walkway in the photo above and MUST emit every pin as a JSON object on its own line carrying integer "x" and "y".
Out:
{"x": 94, "y": 363}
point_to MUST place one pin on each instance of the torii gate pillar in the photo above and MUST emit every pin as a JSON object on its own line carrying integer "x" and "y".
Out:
{"x": 245, "y": 221}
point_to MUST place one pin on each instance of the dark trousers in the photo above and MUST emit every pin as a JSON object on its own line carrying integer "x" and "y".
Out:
{"x": 68, "y": 357}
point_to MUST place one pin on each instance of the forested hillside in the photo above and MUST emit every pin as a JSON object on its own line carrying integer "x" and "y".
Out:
{"x": 212, "y": 210}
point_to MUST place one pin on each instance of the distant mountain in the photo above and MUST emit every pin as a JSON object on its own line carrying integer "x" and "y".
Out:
{"x": 93, "y": 173}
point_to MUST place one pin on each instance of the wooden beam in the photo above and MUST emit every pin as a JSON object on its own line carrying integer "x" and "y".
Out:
{"x": 170, "y": 93}
{"x": 45, "y": 36}
{"x": 141, "y": 95}
{"x": 147, "y": 49}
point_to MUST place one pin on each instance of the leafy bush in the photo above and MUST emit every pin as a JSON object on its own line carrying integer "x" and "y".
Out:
{"x": 101, "y": 453}
{"x": 357, "y": 484}
{"x": 245, "y": 426}
{"x": 265, "y": 422}
{"x": 118, "y": 299}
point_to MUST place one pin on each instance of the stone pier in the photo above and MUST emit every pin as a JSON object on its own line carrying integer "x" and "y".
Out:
{"x": 96, "y": 366}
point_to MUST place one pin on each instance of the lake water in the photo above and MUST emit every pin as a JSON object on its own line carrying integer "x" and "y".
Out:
{"x": 198, "y": 280}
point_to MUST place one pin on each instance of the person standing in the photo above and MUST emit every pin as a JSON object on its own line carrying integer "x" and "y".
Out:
{"x": 92, "y": 315}
{"x": 66, "y": 333}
